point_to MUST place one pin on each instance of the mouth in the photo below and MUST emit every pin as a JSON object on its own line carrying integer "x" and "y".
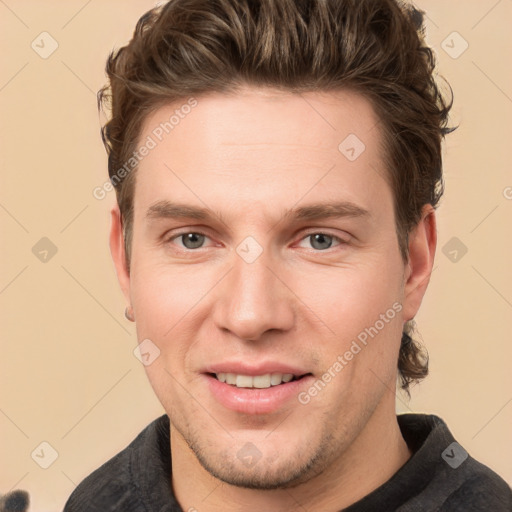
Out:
{"x": 264, "y": 381}
{"x": 257, "y": 394}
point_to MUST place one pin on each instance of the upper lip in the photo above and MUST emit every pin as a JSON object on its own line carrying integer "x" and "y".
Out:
{"x": 254, "y": 369}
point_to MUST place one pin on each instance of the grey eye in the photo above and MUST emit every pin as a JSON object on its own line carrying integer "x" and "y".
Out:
{"x": 321, "y": 241}
{"x": 192, "y": 240}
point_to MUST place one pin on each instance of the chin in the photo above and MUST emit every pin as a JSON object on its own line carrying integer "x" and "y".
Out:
{"x": 283, "y": 462}
{"x": 263, "y": 475}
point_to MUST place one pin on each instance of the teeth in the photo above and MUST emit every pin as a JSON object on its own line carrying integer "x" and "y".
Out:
{"x": 275, "y": 379}
{"x": 259, "y": 381}
{"x": 243, "y": 381}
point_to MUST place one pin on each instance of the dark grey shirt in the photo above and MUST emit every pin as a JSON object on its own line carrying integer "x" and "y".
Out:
{"x": 440, "y": 476}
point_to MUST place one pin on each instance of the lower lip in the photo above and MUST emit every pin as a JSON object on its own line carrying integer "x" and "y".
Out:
{"x": 256, "y": 401}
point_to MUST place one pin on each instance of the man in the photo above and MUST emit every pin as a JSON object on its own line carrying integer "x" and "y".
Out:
{"x": 277, "y": 166}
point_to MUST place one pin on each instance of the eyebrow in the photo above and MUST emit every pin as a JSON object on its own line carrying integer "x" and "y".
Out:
{"x": 170, "y": 210}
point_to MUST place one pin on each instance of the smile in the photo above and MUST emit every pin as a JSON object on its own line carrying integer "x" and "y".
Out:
{"x": 256, "y": 394}
{"x": 257, "y": 381}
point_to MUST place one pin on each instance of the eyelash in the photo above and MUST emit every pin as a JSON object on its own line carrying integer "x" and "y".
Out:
{"x": 337, "y": 238}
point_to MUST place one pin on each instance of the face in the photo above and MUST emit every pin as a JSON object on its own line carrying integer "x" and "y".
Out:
{"x": 264, "y": 250}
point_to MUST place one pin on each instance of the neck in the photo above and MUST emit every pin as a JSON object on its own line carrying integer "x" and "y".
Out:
{"x": 372, "y": 459}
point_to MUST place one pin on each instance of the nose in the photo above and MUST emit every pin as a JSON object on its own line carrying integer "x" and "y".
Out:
{"x": 252, "y": 300}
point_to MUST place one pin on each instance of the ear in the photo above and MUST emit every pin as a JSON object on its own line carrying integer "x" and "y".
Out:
{"x": 118, "y": 252}
{"x": 422, "y": 248}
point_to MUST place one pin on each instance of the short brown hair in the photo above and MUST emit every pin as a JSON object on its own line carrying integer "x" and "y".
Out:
{"x": 374, "y": 47}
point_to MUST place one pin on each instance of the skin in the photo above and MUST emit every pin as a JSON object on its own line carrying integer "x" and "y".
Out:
{"x": 249, "y": 156}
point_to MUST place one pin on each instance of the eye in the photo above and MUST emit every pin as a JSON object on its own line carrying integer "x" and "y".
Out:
{"x": 323, "y": 241}
{"x": 190, "y": 240}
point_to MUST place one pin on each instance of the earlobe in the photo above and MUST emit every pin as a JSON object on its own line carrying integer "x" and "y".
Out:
{"x": 422, "y": 247}
{"x": 117, "y": 251}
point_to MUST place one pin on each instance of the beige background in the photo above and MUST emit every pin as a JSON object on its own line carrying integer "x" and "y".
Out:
{"x": 68, "y": 373}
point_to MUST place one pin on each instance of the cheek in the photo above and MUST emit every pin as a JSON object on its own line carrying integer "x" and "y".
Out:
{"x": 340, "y": 300}
{"x": 165, "y": 295}
{"x": 348, "y": 298}
{"x": 361, "y": 321}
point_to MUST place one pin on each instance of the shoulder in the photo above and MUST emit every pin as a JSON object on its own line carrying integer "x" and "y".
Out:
{"x": 446, "y": 477}
{"x": 480, "y": 490}
{"x": 115, "y": 484}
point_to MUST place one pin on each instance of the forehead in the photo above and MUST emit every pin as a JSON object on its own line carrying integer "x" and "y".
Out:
{"x": 262, "y": 147}
{"x": 268, "y": 112}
